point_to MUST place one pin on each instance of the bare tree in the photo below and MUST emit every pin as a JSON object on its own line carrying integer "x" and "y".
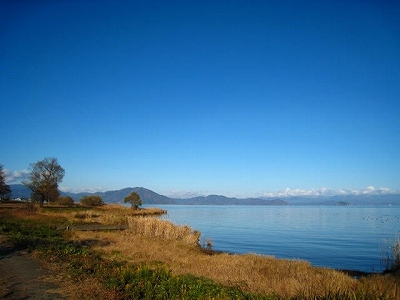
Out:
{"x": 43, "y": 180}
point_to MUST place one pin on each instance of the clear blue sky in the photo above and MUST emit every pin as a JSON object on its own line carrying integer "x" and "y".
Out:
{"x": 239, "y": 98}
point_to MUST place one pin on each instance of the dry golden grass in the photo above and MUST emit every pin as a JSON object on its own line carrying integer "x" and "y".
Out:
{"x": 154, "y": 241}
{"x": 123, "y": 210}
{"x": 165, "y": 230}
{"x": 250, "y": 272}
{"x": 110, "y": 214}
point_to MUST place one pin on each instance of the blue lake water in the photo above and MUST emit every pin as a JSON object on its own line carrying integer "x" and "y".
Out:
{"x": 341, "y": 237}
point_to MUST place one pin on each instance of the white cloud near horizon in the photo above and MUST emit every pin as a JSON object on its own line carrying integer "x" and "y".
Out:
{"x": 67, "y": 189}
{"x": 370, "y": 190}
{"x": 15, "y": 176}
{"x": 183, "y": 194}
{"x": 288, "y": 192}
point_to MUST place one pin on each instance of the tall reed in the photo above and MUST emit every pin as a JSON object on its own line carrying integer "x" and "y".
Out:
{"x": 162, "y": 229}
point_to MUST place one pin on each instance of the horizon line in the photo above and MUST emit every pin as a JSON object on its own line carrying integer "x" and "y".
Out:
{"x": 286, "y": 193}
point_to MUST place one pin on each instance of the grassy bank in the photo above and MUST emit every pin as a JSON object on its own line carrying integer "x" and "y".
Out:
{"x": 156, "y": 259}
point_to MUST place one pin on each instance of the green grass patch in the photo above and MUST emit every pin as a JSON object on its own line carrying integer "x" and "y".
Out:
{"x": 30, "y": 235}
{"x": 144, "y": 282}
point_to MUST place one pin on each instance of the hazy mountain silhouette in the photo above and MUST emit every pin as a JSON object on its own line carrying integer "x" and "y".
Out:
{"x": 150, "y": 197}
{"x": 222, "y": 200}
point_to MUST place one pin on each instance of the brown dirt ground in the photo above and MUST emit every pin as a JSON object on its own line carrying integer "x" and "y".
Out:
{"x": 24, "y": 277}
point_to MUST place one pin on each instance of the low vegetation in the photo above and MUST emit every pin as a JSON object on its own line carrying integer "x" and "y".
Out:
{"x": 390, "y": 256}
{"x": 93, "y": 200}
{"x": 65, "y": 201}
{"x": 156, "y": 259}
{"x": 162, "y": 230}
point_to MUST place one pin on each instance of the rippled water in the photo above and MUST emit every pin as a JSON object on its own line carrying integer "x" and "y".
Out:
{"x": 342, "y": 237}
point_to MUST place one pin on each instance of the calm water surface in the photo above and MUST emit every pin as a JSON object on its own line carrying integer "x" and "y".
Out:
{"x": 342, "y": 237}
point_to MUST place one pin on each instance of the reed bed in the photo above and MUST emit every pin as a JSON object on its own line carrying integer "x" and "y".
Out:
{"x": 165, "y": 230}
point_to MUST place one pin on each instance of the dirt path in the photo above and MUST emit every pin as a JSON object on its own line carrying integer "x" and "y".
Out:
{"x": 22, "y": 277}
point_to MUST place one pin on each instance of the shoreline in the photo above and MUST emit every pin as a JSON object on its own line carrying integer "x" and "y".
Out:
{"x": 153, "y": 242}
{"x": 330, "y": 237}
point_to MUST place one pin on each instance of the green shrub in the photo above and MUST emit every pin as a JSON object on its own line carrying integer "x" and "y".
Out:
{"x": 92, "y": 200}
{"x": 134, "y": 199}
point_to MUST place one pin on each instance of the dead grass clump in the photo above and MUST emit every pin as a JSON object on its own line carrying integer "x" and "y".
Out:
{"x": 148, "y": 211}
{"x": 121, "y": 209}
{"x": 382, "y": 286}
{"x": 87, "y": 216}
{"x": 115, "y": 214}
{"x": 166, "y": 230}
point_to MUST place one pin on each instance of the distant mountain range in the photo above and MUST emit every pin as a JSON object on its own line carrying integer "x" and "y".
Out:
{"x": 150, "y": 197}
